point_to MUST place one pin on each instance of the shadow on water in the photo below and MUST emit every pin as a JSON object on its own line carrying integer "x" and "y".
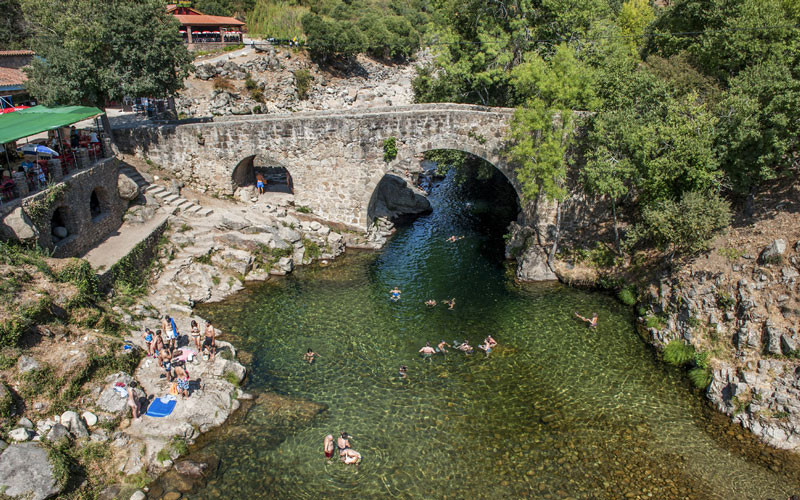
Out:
{"x": 556, "y": 411}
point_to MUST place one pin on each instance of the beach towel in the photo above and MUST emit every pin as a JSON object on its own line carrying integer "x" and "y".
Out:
{"x": 161, "y": 407}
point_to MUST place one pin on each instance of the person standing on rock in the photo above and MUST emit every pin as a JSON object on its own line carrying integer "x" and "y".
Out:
{"x": 327, "y": 446}
{"x": 165, "y": 358}
{"x": 159, "y": 344}
{"x": 148, "y": 340}
{"x": 182, "y": 376}
{"x": 133, "y": 403}
{"x": 260, "y": 183}
{"x": 210, "y": 342}
{"x": 196, "y": 336}
{"x": 170, "y": 330}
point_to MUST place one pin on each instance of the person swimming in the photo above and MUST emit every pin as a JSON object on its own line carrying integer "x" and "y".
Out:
{"x": 310, "y": 355}
{"x": 350, "y": 456}
{"x": 454, "y": 238}
{"x": 430, "y": 303}
{"x": 465, "y": 347}
{"x": 450, "y": 303}
{"x": 403, "y": 372}
{"x": 442, "y": 347}
{"x": 343, "y": 441}
{"x": 395, "y": 293}
{"x": 427, "y": 351}
{"x": 592, "y": 322}
{"x": 487, "y": 345}
{"x": 327, "y": 446}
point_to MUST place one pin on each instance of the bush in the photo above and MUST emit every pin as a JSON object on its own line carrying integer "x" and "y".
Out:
{"x": 678, "y": 353}
{"x": 389, "y": 149}
{"x": 222, "y": 83}
{"x": 80, "y": 273}
{"x": 249, "y": 83}
{"x": 302, "y": 80}
{"x": 331, "y": 39}
{"x": 700, "y": 377}
{"x": 627, "y": 297}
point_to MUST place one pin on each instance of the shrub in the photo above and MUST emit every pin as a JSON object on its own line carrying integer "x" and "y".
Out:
{"x": 725, "y": 300}
{"x": 627, "y": 296}
{"x": 257, "y": 109}
{"x": 331, "y": 39}
{"x": 80, "y": 273}
{"x": 302, "y": 80}
{"x": 700, "y": 377}
{"x": 249, "y": 83}
{"x": 303, "y": 209}
{"x": 222, "y": 83}
{"x": 678, "y": 353}
{"x": 389, "y": 149}
{"x": 312, "y": 249}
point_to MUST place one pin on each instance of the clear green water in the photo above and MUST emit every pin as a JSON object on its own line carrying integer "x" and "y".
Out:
{"x": 557, "y": 411}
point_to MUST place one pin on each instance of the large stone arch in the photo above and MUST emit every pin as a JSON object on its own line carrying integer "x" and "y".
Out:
{"x": 410, "y": 150}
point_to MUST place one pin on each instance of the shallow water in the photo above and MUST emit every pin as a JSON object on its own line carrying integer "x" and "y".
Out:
{"x": 556, "y": 411}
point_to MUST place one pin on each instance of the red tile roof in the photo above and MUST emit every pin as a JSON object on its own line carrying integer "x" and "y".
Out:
{"x": 204, "y": 20}
{"x": 10, "y": 77}
{"x": 16, "y": 52}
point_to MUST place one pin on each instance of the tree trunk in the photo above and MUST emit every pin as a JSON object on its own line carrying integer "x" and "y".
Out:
{"x": 552, "y": 256}
{"x": 616, "y": 228}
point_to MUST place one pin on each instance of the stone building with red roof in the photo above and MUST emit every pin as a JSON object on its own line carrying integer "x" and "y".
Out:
{"x": 203, "y": 31}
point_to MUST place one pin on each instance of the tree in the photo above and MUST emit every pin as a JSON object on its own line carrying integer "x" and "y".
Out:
{"x": 14, "y": 29}
{"x": 91, "y": 53}
{"x": 331, "y": 39}
{"x": 634, "y": 17}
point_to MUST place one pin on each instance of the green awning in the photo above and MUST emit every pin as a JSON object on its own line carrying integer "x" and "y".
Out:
{"x": 27, "y": 122}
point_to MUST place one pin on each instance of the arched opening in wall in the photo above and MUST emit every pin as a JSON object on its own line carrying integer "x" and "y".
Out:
{"x": 255, "y": 169}
{"x": 58, "y": 225}
{"x": 98, "y": 204}
{"x": 464, "y": 193}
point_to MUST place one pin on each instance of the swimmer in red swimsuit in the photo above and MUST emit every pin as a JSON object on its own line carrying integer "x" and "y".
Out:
{"x": 327, "y": 446}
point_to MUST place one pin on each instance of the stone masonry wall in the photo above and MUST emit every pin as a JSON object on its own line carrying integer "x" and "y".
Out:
{"x": 84, "y": 231}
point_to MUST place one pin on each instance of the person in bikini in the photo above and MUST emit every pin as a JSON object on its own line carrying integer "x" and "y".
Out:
{"x": 327, "y": 446}
{"x": 343, "y": 441}
{"x": 350, "y": 456}
{"x": 592, "y": 322}
{"x": 310, "y": 355}
{"x": 148, "y": 340}
{"x": 450, "y": 303}
{"x": 196, "y": 336}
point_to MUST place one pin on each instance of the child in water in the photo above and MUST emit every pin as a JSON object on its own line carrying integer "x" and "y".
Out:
{"x": 310, "y": 355}
{"x": 395, "y": 292}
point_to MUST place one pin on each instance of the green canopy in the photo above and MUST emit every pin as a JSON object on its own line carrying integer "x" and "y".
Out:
{"x": 26, "y": 122}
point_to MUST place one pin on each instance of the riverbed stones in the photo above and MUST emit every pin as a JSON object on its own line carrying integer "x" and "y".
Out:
{"x": 26, "y": 472}
{"x": 20, "y": 434}
{"x": 191, "y": 468}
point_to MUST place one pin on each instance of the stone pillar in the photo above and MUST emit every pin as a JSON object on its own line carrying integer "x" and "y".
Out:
{"x": 21, "y": 184}
{"x": 189, "y": 34}
{"x": 56, "y": 174}
{"x": 82, "y": 157}
{"x": 107, "y": 152}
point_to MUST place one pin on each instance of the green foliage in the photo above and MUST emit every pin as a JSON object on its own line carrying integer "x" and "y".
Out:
{"x": 677, "y": 353}
{"x": 223, "y": 83}
{"x": 232, "y": 378}
{"x": 80, "y": 273}
{"x": 302, "y": 81}
{"x": 330, "y": 39}
{"x": 62, "y": 461}
{"x": 312, "y": 249}
{"x": 40, "y": 208}
{"x": 249, "y": 83}
{"x": 90, "y": 54}
{"x": 627, "y": 296}
{"x": 634, "y": 17}
{"x": 389, "y": 149}
{"x": 700, "y": 377}
{"x": 656, "y": 322}
{"x": 163, "y": 455}
{"x": 725, "y": 300}
{"x": 6, "y": 404}
{"x": 303, "y": 209}
{"x": 683, "y": 227}
{"x": 276, "y": 18}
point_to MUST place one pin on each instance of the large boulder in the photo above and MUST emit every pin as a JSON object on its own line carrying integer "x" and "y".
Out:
{"x": 191, "y": 468}
{"x": 773, "y": 251}
{"x": 395, "y": 197}
{"x": 205, "y": 71}
{"x": 284, "y": 266}
{"x": 26, "y": 472}
{"x": 532, "y": 266}
{"x": 128, "y": 189}
{"x": 72, "y": 421}
{"x": 238, "y": 261}
{"x": 17, "y": 225}
{"x": 20, "y": 434}
{"x": 113, "y": 401}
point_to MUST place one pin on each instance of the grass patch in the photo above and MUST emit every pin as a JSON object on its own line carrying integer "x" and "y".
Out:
{"x": 303, "y": 209}
{"x": 731, "y": 253}
{"x": 302, "y": 80}
{"x": 313, "y": 250}
{"x": 277, "y": 19}
{"x": 232, "y": 378}
{"x": 184, "y": 227}
{"x": 627, "y": 296}
{"x": 678, "y": 353}
{"x": 656, "y": 322}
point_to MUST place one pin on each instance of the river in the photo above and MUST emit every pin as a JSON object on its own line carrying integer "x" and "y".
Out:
{"x": 556, "y": 410}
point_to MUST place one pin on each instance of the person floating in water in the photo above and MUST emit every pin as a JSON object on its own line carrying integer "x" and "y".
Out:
{"x": 427, "y": 351}
{"x": 350, "y": 456}
{"x": 327, "y": 446}
{"x": 430, "y": 303}
{"x": 442, "y": 347}
{"x": 465, "y": 347}
{"x": 395, "y": 293}
{"x": 592, "y": 322}
{"x": 310, "y": 355}
{"x": 454, "y": 238}
{"x": 450, "y": 303}
{"x": 403, "y": 372}
{"x": 487, "y": 345}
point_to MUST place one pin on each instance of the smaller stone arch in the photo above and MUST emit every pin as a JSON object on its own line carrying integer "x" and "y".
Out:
{"x": 60, "y": 225}
{"x": 98, "y": 203}
{"x": 274, "y": 174}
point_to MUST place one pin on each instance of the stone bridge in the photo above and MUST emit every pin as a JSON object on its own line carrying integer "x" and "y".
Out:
{"x": 335, "y": 158}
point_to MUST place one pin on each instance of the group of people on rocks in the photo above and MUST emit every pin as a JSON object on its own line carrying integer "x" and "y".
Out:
{"x": 346, "y": 454}
{"x": 165, "y": 348}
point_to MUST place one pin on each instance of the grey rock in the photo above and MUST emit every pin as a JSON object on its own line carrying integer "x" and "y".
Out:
{"x": 127, "y": 188}
{"x": 20, "y": 434}
{"x": 289, "y": 234}
{"x": 191, "y": 468}
{"x": 90, "y": 418}
{"x": 205, "y": 71}
{"x": 238, "y": 261}
{"x": 788, "y": 344}
{"x": 99, "y": 436}
{"x": 72, "y": 421}
{"x": 284, "y": 266}
{"x": 773, "y": 340}
{"x": 789, "y": 273}
{"x": 138, "y": 495}
{"x": 58, "y": 433}
{"x": 533, "y": 266}
{"x": 60, "y": 231}
{"x": 3, "y": 445}
{"x": 27, "y": 364}
{"x": 25, "y": 471}
{"x": 773, "y": 250}
{"x": 18, "y": 225}
{"x": 25, "y": 422}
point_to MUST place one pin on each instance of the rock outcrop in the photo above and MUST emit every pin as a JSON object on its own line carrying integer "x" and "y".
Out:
{"x": 26, "y": 472}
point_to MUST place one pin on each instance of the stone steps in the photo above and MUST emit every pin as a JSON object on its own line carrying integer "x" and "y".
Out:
{"x": 135, "y": 177}
{"x": 166, "y": 196}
